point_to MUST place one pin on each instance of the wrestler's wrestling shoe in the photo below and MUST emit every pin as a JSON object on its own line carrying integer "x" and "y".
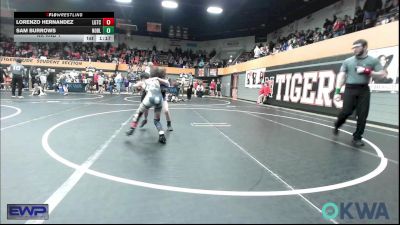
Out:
{"x": 130, "y": 131}
{"x": 169, "y": 126}
{"x": 161, "y": 137}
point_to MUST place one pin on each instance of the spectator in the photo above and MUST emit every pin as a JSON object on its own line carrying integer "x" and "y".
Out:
{"x": 339, "y": 27}
{"x": 317, "y": 36}
{"x": 271, "y": 46}
{"x": 190, "y": 78}
{"x": 189, "y": 91}
{"x": 389, "y": 13}
{"x": 213, "y": 53}
{"x": 111, "y": 84}
{"x": 92, "y": 85}
{"x": 264, "y": 93}
{"x": 182, "y": 84}
{"x": 200, "y": 90}
{"x": 2, "y": 78}
{"x": 219, "y": 89}
{"x": 195, "y": 85}
{"x": 349, "y": 24}
{"x": 127, "y": 58}
{"x": 96, "y": 80}
{"x": 8, "y": 81}
{"x": 101, "y": 84}
{"x": 43, "y": 79}
{"x": 64, "y": 85}
{"x": 263, "y": 51}
{"x": 34, "y": 72}
{"x": 328, "y": 25}
{"x": 100, "y": 52}
{"x": 388, "y": 6}
{"x": 257, "y": 52}
{"x": 126, "y": 83}
{"x": 261, "y": 95}
{"x": 212, "y": 87}
{"x": 277, "y": 49}
{"x": 371, "y": 9}
{"x": 201, "y": 63}
{"x": 308, "y": 38}
{"x": 118, "y": 82}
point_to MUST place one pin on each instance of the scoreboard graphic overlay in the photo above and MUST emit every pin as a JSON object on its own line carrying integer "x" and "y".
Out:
{"x": 64, "y": 26}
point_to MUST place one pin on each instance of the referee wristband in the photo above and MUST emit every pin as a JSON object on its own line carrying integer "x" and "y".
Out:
{"x": 368, "y": 71}
{"x": 337, "y": 91}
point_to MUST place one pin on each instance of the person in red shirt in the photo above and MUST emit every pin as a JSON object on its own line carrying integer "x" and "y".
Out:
{"x": 212, "y": 87}
{"x": 260, "y": 97}
{"x": 339, "y": 27}
{"x": 96, "y": 79}
{"x": 267, "y": 90}
{"x": 264, "y": 93}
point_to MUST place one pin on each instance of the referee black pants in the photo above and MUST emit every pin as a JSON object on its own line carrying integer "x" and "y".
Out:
{"x": 16, "y": 80}
{"x": 356, "y": 97}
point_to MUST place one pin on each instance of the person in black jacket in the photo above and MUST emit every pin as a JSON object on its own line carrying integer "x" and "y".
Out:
{"x": 358, "y": 19}
{"x": 371, "y": 8}
{"x": 189, "y": 91}
{"x": 2, "y": 77}
{"x": 34, "y": 72}
{"x": 18, "y": 72}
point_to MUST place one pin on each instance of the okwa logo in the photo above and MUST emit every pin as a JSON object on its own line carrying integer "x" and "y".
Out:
{"x": 355, "y": 210}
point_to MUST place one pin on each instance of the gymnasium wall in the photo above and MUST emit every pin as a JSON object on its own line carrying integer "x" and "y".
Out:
{"x": 226, "y": 85}
{"x": 7, "y": 29}
{"x": 229, "y": 44}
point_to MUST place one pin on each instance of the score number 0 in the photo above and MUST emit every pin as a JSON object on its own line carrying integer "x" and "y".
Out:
{"x": 108, "y": 21}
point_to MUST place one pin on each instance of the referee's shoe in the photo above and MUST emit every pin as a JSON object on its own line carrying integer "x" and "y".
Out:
{"x": 335, "y": 131}
{"x": 358, "y": 143}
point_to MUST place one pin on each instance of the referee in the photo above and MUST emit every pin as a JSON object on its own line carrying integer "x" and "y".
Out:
{"x": 17, "y": 70}
{"x": 355, "y": 74}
